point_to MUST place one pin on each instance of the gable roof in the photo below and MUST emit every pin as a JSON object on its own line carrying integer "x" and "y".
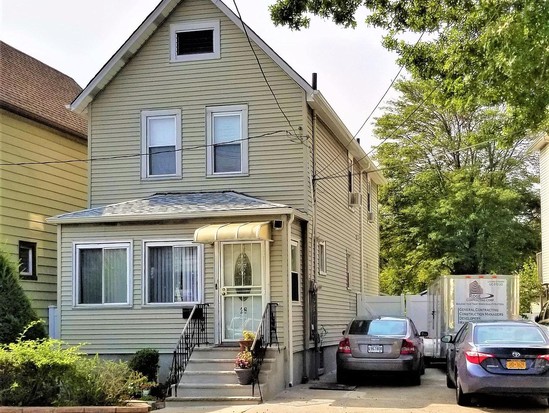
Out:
{"x": 175, "y": 205}
{"x": 37, "y": 91}
{"x": 155, "y": 20}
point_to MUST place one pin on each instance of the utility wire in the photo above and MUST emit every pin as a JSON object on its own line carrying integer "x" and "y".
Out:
{"x": 261, "y": 68}
{"x": 134, "y": 155}
{"x": 372, "y": 112}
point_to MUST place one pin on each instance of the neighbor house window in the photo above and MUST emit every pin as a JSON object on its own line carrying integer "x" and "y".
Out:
{"x": 322, "y": 257}
{"x": 102, "y": 274}
{"x": 227, "y": 138}
{"x": 161, "y": 143}
{"x": 350, "y": 172}
{"x": 27, "y": 260}
{"x": 195, "y": 40}
{"x": 295, "y": 271}
{"x": 348, "y": 266}
{"x": 173, "y": 273}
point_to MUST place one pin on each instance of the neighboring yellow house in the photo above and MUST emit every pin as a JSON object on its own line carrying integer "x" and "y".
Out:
{"x": 38, "y": 133}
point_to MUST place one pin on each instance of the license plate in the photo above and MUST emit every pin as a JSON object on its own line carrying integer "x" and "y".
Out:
{"x": 375, "y": 348}
{"x": 516, "y": 364}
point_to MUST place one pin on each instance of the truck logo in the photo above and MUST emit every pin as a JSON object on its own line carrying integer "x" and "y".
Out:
{"x": 476, "y": 292}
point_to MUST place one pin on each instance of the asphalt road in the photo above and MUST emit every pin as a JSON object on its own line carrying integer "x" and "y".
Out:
{"x": 377, "y": 395}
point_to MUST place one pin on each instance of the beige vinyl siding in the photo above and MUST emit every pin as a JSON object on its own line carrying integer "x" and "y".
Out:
{"x": 150, "y": 82}
{"x": 125, "y": 330}
{"x": 544, "y": 183}
{"x": 297, "y": 307}
{"x": 32, "y": 193}
{"x": 339, "y": 226}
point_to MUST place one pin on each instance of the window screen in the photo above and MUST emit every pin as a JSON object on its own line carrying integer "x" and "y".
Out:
{"x": 195, "y": 42}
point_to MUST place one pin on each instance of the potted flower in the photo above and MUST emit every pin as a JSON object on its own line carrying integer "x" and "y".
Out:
{"x": 243, "y": 367}
{"x": 248, "y": 338}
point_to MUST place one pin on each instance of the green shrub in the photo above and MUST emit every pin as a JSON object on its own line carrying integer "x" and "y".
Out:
{"x": 145, "y": 361}
{"x": 49, "y": 373}
{"x": 16, "y": 312}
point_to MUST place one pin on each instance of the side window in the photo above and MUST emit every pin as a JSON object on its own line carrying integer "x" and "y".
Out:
{"x": 295, "y": 264}
{"x": 102, "y": 274}
{"x": 227, "y": 139}
{"x": 460, "y": 336}
{"x": 27, "y": 260}
{"x": 161, "y": 143}
{"x": 322, "y": 264}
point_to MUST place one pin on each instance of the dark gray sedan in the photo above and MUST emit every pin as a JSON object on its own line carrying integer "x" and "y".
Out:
{"x": 384, "y": 344}
{"x": 499, "y": 357}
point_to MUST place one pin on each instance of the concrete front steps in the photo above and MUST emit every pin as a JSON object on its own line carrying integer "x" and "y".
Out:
{"x": 209, "y": 379}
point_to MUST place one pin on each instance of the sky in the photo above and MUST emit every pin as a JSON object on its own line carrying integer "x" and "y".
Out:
{"x": 77, "y": 37}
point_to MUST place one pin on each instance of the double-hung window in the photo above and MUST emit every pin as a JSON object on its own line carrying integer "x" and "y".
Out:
{"x": 227, "y": 138}
{"x": 161, "y": 143}
{"x": 102, "y": 274}
{"x": 173, "y": 273}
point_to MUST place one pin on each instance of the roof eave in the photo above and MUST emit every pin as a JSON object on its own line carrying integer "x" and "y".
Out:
{"x": 317, "y": 102}
{"x": 539, "y": 143}
{"x": 176, "y": 216}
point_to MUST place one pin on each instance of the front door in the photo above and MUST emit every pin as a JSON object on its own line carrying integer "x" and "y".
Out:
{"x": 242, "y": 279}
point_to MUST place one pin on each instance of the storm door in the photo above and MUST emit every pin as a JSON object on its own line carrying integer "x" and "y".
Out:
{"x": 243, "y": 274}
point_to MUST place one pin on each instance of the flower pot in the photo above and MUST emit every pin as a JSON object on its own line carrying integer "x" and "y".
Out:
{"x": 245, "y": 344}
{"x": 244, "y": 375}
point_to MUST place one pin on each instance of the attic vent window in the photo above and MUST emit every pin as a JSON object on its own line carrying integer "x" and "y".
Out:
{"x": 196, "y": 40}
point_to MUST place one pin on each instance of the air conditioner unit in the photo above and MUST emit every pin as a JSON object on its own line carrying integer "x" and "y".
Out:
{"x": 370, "y": 217}
{"x": 355, "y": 198}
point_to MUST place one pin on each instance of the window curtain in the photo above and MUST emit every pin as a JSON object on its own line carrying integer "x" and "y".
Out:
{"x": 90, "y": 262}
{"x": 161, "y": 289}
{"x": 186, "y": 261}
{"x": 115, "y": 270}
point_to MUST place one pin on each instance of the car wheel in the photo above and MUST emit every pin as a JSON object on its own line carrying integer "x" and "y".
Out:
{"x": 449, "y": 383}
{"x": 461, "y": 398}
{"x": 342, "y": 376}
{"x": 415, "y": 378}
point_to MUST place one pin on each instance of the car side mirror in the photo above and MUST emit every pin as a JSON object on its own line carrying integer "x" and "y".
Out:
{"x": 537, "y": 318}
{"x": 447, "y": 339}
{"x": 423, "y": 333}
{"x": 343, "y": 332}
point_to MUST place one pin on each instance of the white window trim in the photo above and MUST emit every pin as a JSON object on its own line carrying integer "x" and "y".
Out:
{"x": 75, "y": 273}
{"x": 322, "y": 261}
{"x": 296, "y": 244}
{"x": 146, "y": 114}
{"x": 171, "y": 243}
{"x": 194, "y": 26}
{"x": 241, "y": 110}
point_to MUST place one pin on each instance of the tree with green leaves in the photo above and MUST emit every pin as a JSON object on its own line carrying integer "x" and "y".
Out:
{"x": 460, "y": 197}
{"x": 16, "y": 313}
{"x": 489, "y": 52}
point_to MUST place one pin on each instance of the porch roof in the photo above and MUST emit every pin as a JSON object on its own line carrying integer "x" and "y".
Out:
{"x": 163, "y": 206}
{"x": 247, "y": 231}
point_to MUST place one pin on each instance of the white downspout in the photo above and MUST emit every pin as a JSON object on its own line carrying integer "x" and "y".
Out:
{"x": 290, "y": 303}
{"x": 361, "y": 233}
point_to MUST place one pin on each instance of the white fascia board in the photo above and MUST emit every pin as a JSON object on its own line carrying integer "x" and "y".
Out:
{"x": 123, "y": 54}
{"x": 317, "y": 102}
{"x": 162, "y": 217}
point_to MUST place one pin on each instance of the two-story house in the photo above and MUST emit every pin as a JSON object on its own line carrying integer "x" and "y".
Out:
{"x": 38, "y": 135}
{"x": 218, "y": 176}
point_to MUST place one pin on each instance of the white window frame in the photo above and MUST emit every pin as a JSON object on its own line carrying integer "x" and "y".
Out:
{"x": 211, "y": 112}
{"x": 295, "y": 244}
{"x": 77, "y": 246}
{"x": 322, "y": 261}
{"x": 31, "y": 264}
{"x": 195, "y": 26}
{"x": 166, "y": 113}
{"x": 172, "y": 243}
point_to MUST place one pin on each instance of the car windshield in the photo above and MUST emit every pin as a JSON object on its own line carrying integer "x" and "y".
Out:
{"x": 378, "y": 327}
{"x": 512, "y": 334}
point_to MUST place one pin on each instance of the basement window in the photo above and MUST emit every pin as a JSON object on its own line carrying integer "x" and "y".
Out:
{"x": 196, "y": 40}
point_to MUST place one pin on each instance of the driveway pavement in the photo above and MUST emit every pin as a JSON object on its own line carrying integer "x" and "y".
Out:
{"x": 375, "y": 395}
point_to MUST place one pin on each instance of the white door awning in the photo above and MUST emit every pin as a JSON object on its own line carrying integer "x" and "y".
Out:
{"x": 248, "y": 231}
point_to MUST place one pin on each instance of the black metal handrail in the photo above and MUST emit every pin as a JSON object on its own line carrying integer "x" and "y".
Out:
{"x": 194, "y": 333}
{"x": 265, "y": 336}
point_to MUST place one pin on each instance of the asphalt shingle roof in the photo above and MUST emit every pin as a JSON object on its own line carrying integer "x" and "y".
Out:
{"x": 38, "y": 91}
{"x": 174, "y": 204}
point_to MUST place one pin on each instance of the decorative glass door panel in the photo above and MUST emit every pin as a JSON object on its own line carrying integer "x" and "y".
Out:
{"x": 241, "y": 289}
